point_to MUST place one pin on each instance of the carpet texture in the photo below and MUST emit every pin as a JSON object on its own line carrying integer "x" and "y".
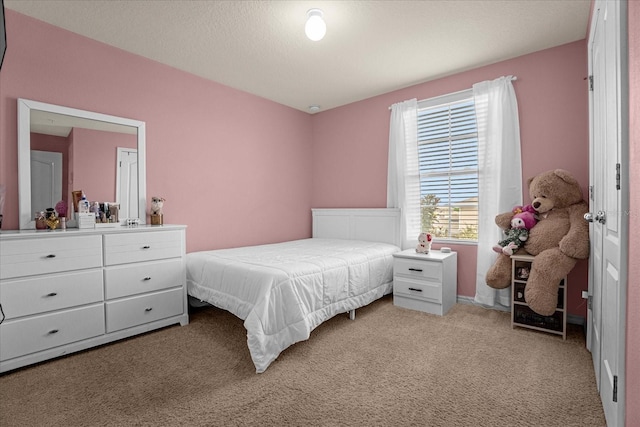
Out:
{"x": 391, "y": 366}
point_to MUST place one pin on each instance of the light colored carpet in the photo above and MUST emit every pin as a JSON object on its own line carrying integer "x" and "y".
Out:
{"x": 391, "y": 366}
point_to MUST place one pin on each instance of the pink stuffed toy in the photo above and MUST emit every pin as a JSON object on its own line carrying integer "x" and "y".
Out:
{"x": 523, "y": 221}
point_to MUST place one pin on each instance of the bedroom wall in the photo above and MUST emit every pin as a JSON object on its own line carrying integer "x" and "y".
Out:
{"x": 351, "y": 142}
{"x": 232, "y": 166}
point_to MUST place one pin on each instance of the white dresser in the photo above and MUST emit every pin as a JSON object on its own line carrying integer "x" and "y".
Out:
{"x": 425, "y": 282}
{"x": 67, "y": 290}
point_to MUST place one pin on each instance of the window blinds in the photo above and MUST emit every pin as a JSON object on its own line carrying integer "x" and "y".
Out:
{"x": 448, "y": 161}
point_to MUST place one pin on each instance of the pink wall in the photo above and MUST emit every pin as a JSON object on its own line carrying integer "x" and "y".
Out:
{"x": 232, "y": 166}
{"x": 351, "y": 142}
{"x": 633, "y": 293}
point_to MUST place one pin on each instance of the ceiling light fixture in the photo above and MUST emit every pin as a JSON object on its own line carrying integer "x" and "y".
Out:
{"x": 314, "y": 108}
{"x": 315, "y": 28}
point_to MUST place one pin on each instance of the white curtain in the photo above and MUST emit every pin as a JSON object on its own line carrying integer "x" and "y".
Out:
{"x": 403, "y": 175}
{"x": 500, "y": 174}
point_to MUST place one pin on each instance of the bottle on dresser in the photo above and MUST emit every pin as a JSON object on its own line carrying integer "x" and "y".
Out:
{"x": 86, "y": 219}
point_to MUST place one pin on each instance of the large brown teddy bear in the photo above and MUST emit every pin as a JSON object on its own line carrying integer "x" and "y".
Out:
{"x": 558, "y": 240}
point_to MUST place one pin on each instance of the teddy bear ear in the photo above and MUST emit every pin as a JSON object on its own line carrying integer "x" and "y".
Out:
{"x": 565, "y": 176}
{"x": 529, "y": 181}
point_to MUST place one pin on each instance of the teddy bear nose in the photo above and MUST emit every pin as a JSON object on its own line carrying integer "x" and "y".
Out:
{"x": 536, "y": 205}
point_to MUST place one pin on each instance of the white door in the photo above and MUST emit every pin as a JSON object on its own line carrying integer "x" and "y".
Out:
{"x": 46, "y": 179}
{"x": 608, "y": 200}
{"x": 127, "y": 182}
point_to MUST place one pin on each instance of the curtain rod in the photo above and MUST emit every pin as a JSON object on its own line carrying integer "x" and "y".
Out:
{"x": 512, "y": 78}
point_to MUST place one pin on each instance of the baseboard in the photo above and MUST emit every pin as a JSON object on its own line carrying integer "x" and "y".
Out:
{"x": 574, "y": 319}
{"x": 460, "y": 299}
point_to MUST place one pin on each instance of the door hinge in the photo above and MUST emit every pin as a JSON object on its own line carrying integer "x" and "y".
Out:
{"x": 617, "y": 176}
{"x": 590, "y": 83}
{"x": 591, "y": 192}
{"x": 615, "y": 388}
{"x": 590, "y": 302}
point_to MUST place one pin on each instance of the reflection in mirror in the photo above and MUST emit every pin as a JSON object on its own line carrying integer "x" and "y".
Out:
{"x": 62, "y": 150}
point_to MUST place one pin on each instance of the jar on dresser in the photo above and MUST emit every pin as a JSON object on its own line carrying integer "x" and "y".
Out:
{"x": 63, "y": 291}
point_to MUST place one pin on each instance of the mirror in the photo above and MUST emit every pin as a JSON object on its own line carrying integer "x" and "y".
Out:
{"x": 62, "y": 150}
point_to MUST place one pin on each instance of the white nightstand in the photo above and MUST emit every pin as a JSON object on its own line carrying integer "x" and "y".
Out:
{"x": 425, "y": 282}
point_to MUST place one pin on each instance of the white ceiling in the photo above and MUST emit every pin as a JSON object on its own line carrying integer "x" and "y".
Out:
{"x": 371, "y": 47}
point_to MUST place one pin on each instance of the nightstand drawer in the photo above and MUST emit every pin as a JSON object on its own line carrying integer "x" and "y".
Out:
{"x": 418, "y": 268}
{"x": 132, "y": 279}
{"x": 419, "y": 289}
{"x": 130, "y": 312}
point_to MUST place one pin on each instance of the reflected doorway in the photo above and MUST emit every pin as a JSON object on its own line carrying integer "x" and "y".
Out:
{"x": 127, "y": 182}
{"x": 46, "y": 180}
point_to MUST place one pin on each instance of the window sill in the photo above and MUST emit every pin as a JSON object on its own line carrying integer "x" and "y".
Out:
{"x": 446, "y": 242}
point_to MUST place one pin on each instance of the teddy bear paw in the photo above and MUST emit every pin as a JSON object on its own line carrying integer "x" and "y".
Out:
{"x": 542, "y": 303}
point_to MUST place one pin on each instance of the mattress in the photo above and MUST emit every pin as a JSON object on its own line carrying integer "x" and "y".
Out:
{"x": 285, "y": 290}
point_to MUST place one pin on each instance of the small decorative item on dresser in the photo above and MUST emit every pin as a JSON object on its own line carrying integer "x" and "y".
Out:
{"x": 114, "y": 212}
{"x": 156, "y": 210}
{"x": 52, "y": 222}
{"x": 40, "y": 219}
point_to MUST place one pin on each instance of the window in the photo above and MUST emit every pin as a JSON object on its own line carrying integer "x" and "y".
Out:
{"x": 448, "y": 163}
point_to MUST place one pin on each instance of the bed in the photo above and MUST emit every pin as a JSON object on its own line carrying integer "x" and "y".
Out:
{"x": 283, "y": 291}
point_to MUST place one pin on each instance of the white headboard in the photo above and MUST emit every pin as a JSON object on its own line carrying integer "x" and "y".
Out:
{"x": 371, "y": 225}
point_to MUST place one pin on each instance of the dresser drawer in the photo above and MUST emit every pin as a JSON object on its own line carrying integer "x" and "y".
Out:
{"x": 31, "y": 257}
{"x": 39, "y": 294}
{"x": 134, "y": 311}
{"x": 131, "y": 279}
{"x": 136, "y": 247}
{"x": 24, "y": 336}
{"x": 418, "y": 268}
{"x": 418, "y": 289}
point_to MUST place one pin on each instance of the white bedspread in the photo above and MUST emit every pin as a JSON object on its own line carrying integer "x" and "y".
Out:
{"x": 283, "y": 291}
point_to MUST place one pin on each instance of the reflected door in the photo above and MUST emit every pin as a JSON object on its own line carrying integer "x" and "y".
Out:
{"x": 46, "y": 179}
{"x": 127, "y": 185}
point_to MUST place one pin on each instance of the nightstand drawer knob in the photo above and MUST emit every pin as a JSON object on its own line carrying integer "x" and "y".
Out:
{"x": 147, "y": 278}
{"x": 148, "y": 309}
{"x": 53, "y": 331}
{"x": 415, "y": 289}
{"x": 52, "y": 294}
{"x": 416, "y": 269}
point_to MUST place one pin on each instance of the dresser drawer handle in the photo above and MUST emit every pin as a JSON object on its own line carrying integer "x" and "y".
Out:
{"x": 148, "y": 309}
{"x": 147, "y": 278}
{"x": 415, "y": 289}
{"x": 51, "y": 256}
{"x": 53, "y": 331}
{"x": 416, "y": 269}
{"x": 146, "y": 247}
{"x": 52, "y": 294}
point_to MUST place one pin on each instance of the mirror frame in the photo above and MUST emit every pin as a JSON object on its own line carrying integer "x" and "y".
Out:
{"x": 24, "y": 153}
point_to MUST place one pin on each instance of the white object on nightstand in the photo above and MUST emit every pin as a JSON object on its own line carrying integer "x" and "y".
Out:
{"x": 425, "y": 282}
